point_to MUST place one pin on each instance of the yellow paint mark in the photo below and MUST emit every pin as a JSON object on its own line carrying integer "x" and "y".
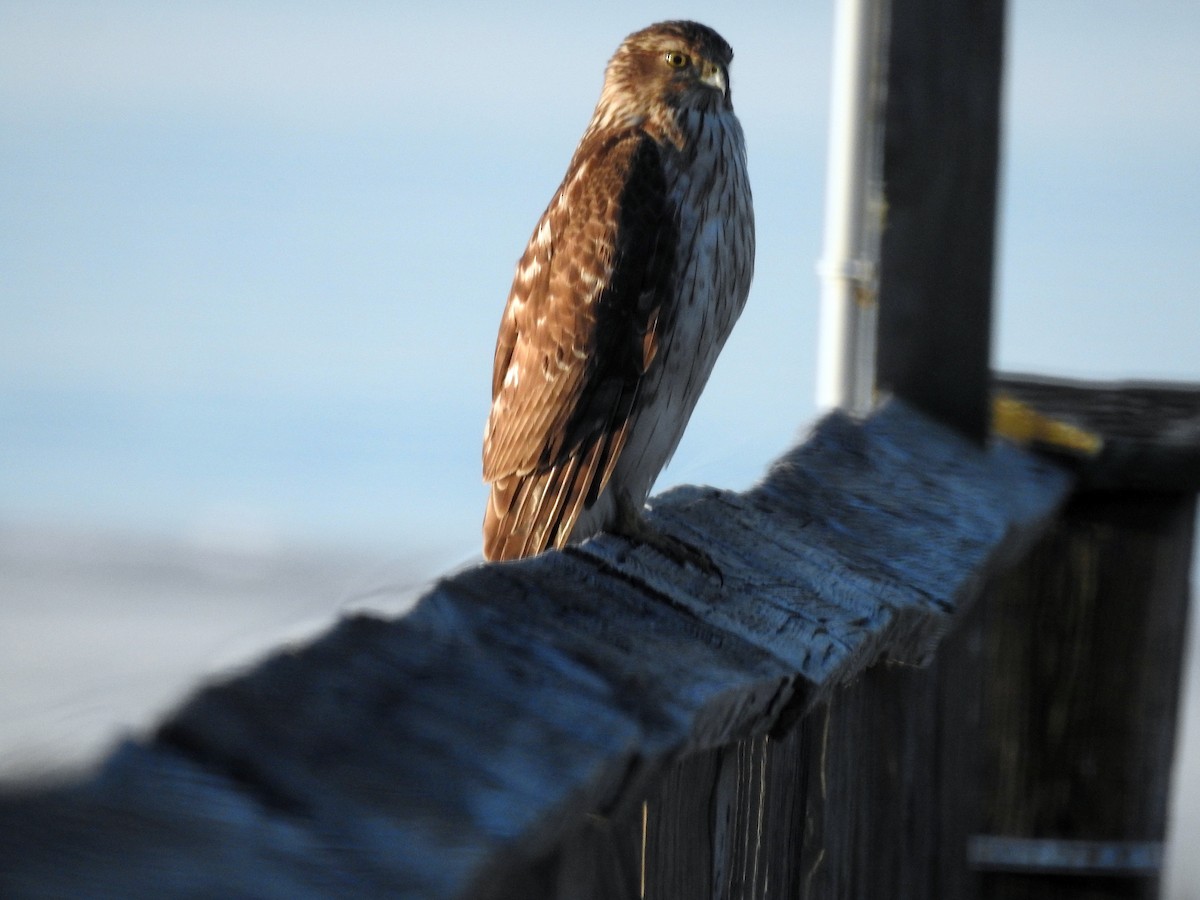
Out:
{"x": 1023, "y": 424}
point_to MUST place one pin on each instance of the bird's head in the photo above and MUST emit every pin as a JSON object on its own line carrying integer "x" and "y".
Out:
{"x": 668, "y": 67}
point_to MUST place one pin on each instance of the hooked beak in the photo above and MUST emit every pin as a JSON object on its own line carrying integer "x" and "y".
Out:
{"x": 714, "y": 76}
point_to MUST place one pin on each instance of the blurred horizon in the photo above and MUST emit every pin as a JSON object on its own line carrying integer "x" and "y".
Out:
{"x": 254, "y": 255}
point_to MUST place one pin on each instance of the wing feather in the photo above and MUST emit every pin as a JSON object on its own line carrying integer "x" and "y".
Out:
{"x": 577, "y": 335}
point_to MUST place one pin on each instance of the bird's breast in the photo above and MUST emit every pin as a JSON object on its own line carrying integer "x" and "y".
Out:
{"x": 709, "y": 192}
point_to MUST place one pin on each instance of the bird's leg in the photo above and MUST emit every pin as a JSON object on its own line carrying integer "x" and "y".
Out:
{"x": 632, "y": 525}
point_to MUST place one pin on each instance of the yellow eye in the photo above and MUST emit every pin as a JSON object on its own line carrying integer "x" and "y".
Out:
{"x": 676, "y": 60}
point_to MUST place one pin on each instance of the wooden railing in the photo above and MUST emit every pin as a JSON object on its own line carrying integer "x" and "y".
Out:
{"x": 484, "y": 743}
{"x": 601, "y": 723}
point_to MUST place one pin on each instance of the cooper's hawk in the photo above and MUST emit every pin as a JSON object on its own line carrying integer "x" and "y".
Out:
{"x": 630, "y": 284}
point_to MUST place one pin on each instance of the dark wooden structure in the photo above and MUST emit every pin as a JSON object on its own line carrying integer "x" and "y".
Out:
{"x": 499, "y": 737}
{"x": 600, "y": 723}
{"x": 941, "y": 154}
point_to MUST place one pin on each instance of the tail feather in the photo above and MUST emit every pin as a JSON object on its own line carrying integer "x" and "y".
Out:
{"x": 527, "y": 514}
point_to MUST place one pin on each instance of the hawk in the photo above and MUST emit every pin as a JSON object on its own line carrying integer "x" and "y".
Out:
{"x": 626, "y": 292}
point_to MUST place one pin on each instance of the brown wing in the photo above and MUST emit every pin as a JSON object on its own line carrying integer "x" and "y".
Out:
{"x": 577, "y": 335}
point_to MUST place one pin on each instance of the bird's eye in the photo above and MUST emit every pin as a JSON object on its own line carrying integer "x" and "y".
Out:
{"x": 676, "y": 60}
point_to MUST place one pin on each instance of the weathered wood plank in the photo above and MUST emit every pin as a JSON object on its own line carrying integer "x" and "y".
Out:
{"x": 1079, "y": 723}
{"x": 1151, "y": 431}
{"x": 453, "y": 751}
{"x": 1048, "y": 714}
{"x": 940, "y": 158}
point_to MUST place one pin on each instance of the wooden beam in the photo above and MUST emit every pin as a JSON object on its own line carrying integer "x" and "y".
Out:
{"x": 446, "y": 753}
{"x": 941, "y": 152}
{"x": 1150, "y": 431}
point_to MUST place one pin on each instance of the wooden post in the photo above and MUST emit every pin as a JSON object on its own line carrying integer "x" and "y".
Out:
{"x": 941, "y": 151}
{"x": 1082, "y": 650}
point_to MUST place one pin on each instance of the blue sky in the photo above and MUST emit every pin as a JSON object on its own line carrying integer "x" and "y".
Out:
{"x": 253, "y": 255}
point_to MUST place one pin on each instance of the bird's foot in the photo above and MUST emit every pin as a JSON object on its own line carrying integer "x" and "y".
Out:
{"x": 632, "y": 525}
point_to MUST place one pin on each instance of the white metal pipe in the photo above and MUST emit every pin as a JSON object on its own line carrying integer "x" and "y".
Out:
{"x": 853, "y": 208}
